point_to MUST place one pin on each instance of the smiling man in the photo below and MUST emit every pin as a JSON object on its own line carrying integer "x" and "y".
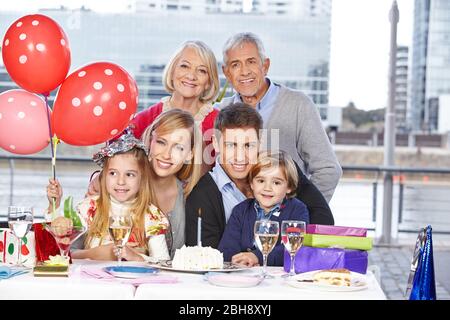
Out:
{"x": 289, "y": 113}
{"x": 236, "y": 141}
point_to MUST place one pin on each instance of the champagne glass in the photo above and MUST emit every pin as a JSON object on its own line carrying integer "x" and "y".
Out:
{"x": 20, "y": 220}
{"x": 266, "y": 236}
{"x": 292, "y": 234}
{"x": 120, "y": 230}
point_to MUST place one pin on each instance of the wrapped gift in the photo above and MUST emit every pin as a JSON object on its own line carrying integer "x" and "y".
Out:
{"x": 336, "y": 230}
{"x": 45, "y": 243}
{"x": 309, "y": 259}
{"x": 9, "y": 246}
{"x": 327, "y": 241}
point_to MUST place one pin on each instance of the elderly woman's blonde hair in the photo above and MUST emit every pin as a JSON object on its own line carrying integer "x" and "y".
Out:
{"x": 270, "y": 159}
{"x": 208, "y": 58}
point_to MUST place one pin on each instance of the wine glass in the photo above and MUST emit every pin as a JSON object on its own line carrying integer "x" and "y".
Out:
{"x": 120, "y": 230}
{"x": 266, "y": 236}
{"x": 20, "y": 220}
{"x": 292, "y": 234}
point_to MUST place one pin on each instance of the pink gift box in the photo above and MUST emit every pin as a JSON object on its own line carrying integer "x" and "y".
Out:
{"x": 336, "y": 230}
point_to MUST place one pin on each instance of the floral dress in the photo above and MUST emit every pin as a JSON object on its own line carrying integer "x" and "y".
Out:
{"x": 156, "y": 226}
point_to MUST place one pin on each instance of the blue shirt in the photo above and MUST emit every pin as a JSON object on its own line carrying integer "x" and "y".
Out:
{"x": 262, "y": 215}
{"x": 231, "y": 195}
{"x": 266, "y": 104}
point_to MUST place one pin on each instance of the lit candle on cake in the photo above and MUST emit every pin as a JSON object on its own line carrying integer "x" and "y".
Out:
{"x": 199, "y": 227}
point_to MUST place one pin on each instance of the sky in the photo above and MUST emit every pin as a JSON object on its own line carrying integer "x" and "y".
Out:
{"x": 360, "y": 37}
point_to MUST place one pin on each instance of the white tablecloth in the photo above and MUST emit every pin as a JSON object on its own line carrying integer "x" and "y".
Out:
{"x": 195, "y": 287}
{"x": 190, "y": 287}
{"x": 27, "y": 286}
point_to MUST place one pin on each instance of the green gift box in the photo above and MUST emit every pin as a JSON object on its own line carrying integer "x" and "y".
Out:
{"x": 327, "y": 241}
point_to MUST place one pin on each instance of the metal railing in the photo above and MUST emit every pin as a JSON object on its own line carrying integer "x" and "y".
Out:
{"x": 376, "y": 171}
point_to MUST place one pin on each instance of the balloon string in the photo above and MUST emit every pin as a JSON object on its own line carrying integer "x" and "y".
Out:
{"x": 53, "y": 143}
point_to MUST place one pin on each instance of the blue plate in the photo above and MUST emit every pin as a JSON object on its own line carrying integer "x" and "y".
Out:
{"x": 130, "y": 272}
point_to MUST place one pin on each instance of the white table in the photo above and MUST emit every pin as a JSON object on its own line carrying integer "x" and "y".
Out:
{"x": 194, "y": 287}
{"x": 27, "y": 286}
{"x": 191, "y": 286}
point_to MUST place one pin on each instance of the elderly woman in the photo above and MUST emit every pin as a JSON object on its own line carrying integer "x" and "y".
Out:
{"x": 191, "y": 77}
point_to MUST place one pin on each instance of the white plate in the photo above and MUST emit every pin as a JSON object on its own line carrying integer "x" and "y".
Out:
{"x": 227, "y": 267}
{"x": 130, "y": 272}
{"x": 358, "y": 282}
{"x": 233, "y": 280}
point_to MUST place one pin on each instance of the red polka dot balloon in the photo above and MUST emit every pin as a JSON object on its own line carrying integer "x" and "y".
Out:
{"x": 23, "y": 122}
{"x": 94, "y": 104}
{"x": 36, "y": 53}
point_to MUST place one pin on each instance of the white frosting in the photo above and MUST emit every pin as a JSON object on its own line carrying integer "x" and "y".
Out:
{"x": 197, "y": 258}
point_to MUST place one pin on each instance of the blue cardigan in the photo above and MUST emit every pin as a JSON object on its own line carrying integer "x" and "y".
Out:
{"x": 238, "y": 235}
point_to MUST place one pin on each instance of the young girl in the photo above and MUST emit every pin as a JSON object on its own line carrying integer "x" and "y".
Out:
{"x": 273, "y": 180}
{"x": 124, "y": 190}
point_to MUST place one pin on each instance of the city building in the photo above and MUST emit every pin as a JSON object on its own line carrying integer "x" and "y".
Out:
{"x": 401, "y": 88}
{"x": 430, "y": 68}
{"x": 296, "y": 8}
{"x": 142, "y": 39}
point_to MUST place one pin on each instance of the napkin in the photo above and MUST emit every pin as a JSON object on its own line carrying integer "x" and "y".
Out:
{"x": 8, "y": 272}
{"x": 99, "y": 273}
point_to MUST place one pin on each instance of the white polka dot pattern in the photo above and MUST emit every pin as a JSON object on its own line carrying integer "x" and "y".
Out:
{"x": 40, "y": 47}
{"x": 76, "y": 102}
{"x": 97, "y": 85}
{"x": 98, "y": 111}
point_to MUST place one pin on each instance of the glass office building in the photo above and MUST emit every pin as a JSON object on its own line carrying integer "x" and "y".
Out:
{"x": 430, "y": 68}
{"x": 142, "y": 41}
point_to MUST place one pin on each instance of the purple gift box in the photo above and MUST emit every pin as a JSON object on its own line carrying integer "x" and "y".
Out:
{"x": 309, "y": 259}
{"x": 336, "y": 230}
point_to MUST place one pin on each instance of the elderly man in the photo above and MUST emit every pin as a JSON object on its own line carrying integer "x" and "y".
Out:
{"x": 291, "y": 112}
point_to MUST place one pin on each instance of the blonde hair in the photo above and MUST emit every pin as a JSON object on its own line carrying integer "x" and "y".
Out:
{"x": 281, "y": 159}
{"x": 144, "y": 197}
{"x": 168, "y": 122}
{"x": 207, "y": 56}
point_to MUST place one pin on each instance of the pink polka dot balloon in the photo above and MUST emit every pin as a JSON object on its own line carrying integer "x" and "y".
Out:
{"x": 23, "y": 122}
{"x": 36, "y": 53}
{"x": 94, "y": 104}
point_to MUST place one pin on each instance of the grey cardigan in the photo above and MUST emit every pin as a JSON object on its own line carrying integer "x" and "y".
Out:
{"x": 295, "y": 127}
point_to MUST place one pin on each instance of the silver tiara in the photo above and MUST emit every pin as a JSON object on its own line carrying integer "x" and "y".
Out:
{"x": 124, "y": 143}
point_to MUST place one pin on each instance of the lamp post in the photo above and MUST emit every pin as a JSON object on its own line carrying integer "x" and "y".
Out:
{"x": 389, "y": 132}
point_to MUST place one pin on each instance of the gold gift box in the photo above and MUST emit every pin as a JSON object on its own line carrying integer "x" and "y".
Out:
{"x": 42, "y": 270}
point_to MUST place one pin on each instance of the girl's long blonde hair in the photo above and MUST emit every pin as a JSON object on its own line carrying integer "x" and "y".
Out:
{"x": 166, "y": 123}
{"x": 144, "y": 197}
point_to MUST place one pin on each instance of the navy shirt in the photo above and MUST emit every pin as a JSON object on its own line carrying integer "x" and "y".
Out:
{"x": 238, "y": 235}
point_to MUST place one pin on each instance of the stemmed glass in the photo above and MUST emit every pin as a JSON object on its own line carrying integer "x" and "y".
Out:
{"x": 120, "y": 230}
{"x": 292, "y": 234}
{"x": 20, "y": 220}
{"x": 65, "y": 234}
{"x": 266, "y": 236}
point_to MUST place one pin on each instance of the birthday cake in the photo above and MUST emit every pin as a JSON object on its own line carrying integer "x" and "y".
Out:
{"x": 197, "y": 258}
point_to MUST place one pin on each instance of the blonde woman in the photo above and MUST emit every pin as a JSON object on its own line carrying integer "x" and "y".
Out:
{"x": 175, "y": 157}
{"x": 191, "y": 77}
